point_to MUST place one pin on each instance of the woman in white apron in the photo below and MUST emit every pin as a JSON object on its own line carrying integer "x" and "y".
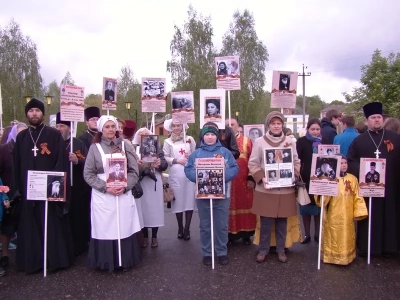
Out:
{"x": 103, "y": 248}
{"x": 177, "y": 149}
{"x": 152, "y": 201}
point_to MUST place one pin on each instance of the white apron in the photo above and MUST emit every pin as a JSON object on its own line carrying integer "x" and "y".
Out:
{"x": 184, "y": 189}
{"x": 104, "y": 209}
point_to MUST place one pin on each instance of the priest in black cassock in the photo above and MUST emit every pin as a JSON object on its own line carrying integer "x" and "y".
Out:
{"x": 385, "y": 225}
{"x": 79, "y": 211}
{"x": 92, "y": 114}
{"x": 40, "y": 148}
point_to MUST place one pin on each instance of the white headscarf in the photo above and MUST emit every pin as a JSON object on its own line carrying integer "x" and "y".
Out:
{"x": 139, "y": 133}
{"x": 103, "y": 120}
{"x": 168, "y": 125}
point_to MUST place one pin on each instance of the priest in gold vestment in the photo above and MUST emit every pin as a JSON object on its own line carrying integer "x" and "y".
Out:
{"x": 339, "y": 236}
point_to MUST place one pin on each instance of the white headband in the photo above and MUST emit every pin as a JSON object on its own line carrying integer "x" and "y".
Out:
{"x": 103, "y": 120}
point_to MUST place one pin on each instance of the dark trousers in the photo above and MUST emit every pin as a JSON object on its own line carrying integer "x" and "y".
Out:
{"x": 265, "y": 234}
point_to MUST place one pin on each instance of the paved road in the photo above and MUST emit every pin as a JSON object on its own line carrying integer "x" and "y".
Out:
{"x": 175, "y": 271}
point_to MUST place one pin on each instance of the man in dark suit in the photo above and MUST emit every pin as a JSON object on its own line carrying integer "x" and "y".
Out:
{"x": 284, "y": 82}
{"x": 109, "y": 93}
{"x": 117, "y": 174}
{"x": 372, "y": 176}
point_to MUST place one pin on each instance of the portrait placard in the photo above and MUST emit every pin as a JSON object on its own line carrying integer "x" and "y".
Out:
{"x": 154, "y": 97}
{"x": 372, "y": 179}
{"x": 116, "y": 172}
{"x": 212, "y": 107}
{"x": 254, "y": 131}
{"x": 46, "y": 186}
{"x": 109, "y": 99}
{"x": 227, "y": 72}
{"x": 149, "y": 148}
{"x": 329, "y": 149}
{"x": 210, "y": 178}
{"x": 72, "y": 104}
{"x": 325, "y": 174}
{"x": 182, "y": 107}
{"x": 284, "y": 89}
{"x": 279, "y": 168}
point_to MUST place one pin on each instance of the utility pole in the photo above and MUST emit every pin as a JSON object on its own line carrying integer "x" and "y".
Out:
{"x": 304, "y": 94}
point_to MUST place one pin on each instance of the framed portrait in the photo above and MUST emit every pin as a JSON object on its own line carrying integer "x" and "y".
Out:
{"x": 116, "y": 172}
{"x": 212, "y": 107}
{"x": 154, "y": 96}
{"x": 372, "y": 179}
{"x": 210, "y": 178}
{"x": 325, "y": 174}
{"x": 109, "y": 98}
{"x": 182, "y": 104}
{"x": 149, "y": 148}
{"x": 227, "y": 72}
{"x": 46, "y": 186}
{"x": 279, "y": 168}
{"x": 254, "y": 131}
{"x": 284, "y": 89}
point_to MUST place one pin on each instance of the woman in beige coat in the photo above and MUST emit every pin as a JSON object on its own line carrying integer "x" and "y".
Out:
{"x": 272, "y": 204}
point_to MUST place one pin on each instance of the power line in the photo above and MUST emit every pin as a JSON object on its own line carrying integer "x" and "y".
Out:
{"x": 304, "y": 94}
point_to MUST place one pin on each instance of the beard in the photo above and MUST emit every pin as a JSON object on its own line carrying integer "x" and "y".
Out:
{"x": 36, "y": 121}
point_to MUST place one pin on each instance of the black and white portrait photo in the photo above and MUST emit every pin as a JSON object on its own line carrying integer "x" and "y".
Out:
{"x": 325, "y": 168}
{"x": 55, "y": 188}
{"x": 272, "y": 175}
{"x": 109, "y": 91}
{"x": 116, "y": 170}
{"x": 213, "y": 107}
{"x": 286, "y": 173}
{"x": 284, "y": 82}
{"x": 287, "y": 156}
{"x": 270, "y": 157}
{"x": 222, "y": 69}
{"x": 149, "y": 148}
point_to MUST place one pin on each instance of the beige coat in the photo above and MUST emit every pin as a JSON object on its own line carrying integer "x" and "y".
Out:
{"x": 278, "y": 202}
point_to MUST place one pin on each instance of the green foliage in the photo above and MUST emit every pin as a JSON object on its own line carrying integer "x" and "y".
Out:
{"x": 241, "y": 39}
{"x": 380, "y": 81}
{"x": 19, "y": 71}
{"x": 192, "y": 59}
{"x": 314, "y": 105}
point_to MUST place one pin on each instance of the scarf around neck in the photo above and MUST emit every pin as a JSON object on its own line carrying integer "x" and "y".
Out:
{"x": 274, "y": 141}
{"x": 176, "y": 137}
{"x": 315, "y": 141}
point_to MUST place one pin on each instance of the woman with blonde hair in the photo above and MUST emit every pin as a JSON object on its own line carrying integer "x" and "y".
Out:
{"x": 273, "y": 205}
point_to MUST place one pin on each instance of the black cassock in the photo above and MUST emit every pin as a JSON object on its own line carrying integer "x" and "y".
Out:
{"x": 87, "y": 138}
{"x": 29, "y": 254}
{"x": 385, "y": 225}
{"x": 79, "y": 211}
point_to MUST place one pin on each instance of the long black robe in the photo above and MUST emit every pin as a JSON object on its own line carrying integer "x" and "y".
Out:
{"x": 87, "y": 138}
{"x": 29, "y": 254}
{"x": 79, "y": 211}
{"x": 385, "y": 225}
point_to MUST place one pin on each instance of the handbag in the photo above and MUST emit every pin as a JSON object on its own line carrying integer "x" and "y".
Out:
{"x": 302, "y": 196}
{"x": 137, "y": 190}
{"x": 167, "y": 190}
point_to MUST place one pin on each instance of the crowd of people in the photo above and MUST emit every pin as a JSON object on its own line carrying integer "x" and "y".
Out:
{"x": 109, "y": 225}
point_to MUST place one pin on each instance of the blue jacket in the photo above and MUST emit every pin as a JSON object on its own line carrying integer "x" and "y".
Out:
{"x": 345, "y": 139}
{"x": 205, "y": 151}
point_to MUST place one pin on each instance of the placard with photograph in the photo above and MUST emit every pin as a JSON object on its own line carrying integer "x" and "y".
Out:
{"x": 254, "y": 131}
{"x": 182, "y": 107}
{"x": 116, "y": 172}
{"x": 372, "y": 179}
{"x": 154, "y": 97}
{"x": 227, "y": 72}
{"x": 210, "y": 178}
{"x": 109, "y": 99}
{"x": 284, "y": 89}
{"x": 46, "y": 186}
{"x": 72, "y": 104}
{"x": 329, "y": 149}
{"x": 279, "y": 168}
{"x": 212, "y": 107}
{"x": 325, "y": 175}
{"x": 149, "y": 148}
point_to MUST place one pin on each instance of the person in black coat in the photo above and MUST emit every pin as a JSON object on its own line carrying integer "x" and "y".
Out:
{"x": 328, "y": 126}
{"x": 306, "y": 146}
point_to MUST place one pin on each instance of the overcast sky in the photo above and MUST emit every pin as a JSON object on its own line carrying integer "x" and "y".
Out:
{"x": 94, "y": 39}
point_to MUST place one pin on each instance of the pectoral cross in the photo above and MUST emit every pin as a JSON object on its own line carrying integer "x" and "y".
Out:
{"x": 377, "y": 152}
{"x": 35, "y": 150}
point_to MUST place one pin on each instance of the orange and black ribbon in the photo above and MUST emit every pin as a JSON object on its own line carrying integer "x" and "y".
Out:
{"x": 79, "y": 154}
{"x": 44, "y": 148}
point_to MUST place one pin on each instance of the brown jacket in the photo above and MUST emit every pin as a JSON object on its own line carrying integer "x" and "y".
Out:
{"x": 277, "y": 202}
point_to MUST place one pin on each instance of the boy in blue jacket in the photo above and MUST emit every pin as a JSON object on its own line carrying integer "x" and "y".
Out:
{"x": 211, "y": 147}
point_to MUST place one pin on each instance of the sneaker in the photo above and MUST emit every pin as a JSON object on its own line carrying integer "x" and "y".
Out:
{"x": 207, "y": 260}
{"x": 223, "y": 260}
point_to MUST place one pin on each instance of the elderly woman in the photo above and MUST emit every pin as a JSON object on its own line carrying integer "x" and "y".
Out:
{"x": 152, "y": 201}
{"x": 273, "y": 205}
{"x": 177, "y": 151}
{"x": 103, "y": 248}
